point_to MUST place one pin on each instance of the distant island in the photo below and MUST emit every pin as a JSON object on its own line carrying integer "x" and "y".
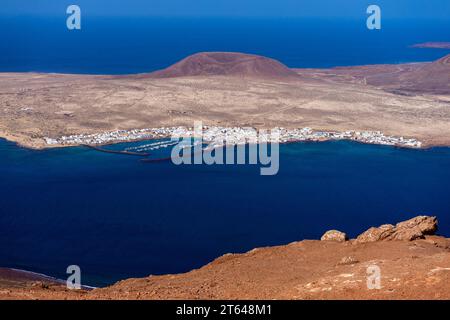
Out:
{"x": 433, "y": 45}
{"x": 409, "y": 102}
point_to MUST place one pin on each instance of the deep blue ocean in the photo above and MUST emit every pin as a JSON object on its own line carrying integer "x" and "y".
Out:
{"x": 117, "y": 217}
{"x": 108, "y": 45}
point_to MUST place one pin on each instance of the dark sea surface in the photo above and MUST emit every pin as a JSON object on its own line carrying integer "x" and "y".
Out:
{"x": 117, "y": 217}
{"x": 135, "y": 45}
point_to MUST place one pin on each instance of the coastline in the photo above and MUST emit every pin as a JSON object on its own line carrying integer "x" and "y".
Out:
{"x": 23, "y": 273}
{"x": 42, "y": 276}
{"x": 333, "y": 267}
{"x": 432, "y": 45}
{"x": 332, "y": 99}
{"x": 322, "y": 136}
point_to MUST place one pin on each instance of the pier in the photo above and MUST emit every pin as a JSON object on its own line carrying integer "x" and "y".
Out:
{"x": 129, "y": 153}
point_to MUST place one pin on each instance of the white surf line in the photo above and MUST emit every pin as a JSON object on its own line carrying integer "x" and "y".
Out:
{"x": 44, "y": 276}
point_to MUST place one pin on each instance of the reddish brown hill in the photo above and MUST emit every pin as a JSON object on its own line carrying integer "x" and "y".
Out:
{"x": 226, "y": 64}
{"x": 444, "y": 61}
{"x": 430, "y": 77}
{"x": 409, "y": 79}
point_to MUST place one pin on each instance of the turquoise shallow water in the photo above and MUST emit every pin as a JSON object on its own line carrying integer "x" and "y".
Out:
{"x": 117, "y": 217}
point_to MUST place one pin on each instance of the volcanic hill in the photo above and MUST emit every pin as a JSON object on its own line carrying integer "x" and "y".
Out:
{"x": 226, "y": 64}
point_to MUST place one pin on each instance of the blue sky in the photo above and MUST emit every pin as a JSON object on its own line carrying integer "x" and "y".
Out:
{"x": 415, "y": 9}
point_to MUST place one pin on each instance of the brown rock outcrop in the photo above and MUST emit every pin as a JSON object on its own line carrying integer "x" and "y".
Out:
{"x": 376, "y": 234}
{"x": 412, "y": 229}
{"x": 334, "y": 235}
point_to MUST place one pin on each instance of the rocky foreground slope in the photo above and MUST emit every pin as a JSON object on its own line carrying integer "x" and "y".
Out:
{"x": 412, "y": 263}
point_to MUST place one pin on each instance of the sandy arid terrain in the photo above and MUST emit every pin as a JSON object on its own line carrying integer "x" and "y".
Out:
{"x": 231, "y": 89}
{"x": 413, "y": 264}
